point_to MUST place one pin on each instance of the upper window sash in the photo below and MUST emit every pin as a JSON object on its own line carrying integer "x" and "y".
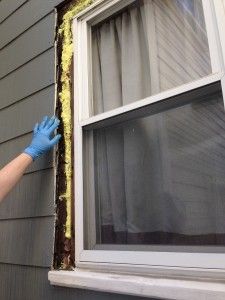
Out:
{"x": 82, "y": 50}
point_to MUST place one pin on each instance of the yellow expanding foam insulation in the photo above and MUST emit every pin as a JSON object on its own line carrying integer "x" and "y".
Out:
{"x": 65, "y": 31}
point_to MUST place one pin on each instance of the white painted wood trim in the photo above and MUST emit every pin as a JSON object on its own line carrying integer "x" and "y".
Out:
{"x": 155, "y": 271}
{"x": 203, "y": 261}
{"x": 100, "y": 10}
{"x": 163, "y": 288}
{"x": 78, "y": 152}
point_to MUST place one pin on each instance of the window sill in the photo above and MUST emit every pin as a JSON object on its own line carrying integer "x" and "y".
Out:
{"x": 139, "y": 285}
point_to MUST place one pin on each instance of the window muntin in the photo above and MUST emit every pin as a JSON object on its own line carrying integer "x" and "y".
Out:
{"x": 147, "y": 48}
{"x": 159, "y": 179}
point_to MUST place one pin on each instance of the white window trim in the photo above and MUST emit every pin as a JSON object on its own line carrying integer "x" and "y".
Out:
{"x": 102, "y": 273}
{"x": 164, "y": 288}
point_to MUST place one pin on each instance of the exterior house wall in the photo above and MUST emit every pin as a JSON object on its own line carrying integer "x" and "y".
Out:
{"x": 27, "y": 92}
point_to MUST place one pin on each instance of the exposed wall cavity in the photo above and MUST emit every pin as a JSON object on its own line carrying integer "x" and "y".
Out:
{"x": 64, "y": 242}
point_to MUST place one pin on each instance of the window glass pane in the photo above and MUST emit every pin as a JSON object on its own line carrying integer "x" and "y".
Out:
{"x": 149, "y": 47}
{"x": 158, "y": 179}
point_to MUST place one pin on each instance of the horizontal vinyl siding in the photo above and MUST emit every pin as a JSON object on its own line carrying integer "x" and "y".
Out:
{"x": 30, "y": 78}
{"x": 23, "y": 18}
{"x": 25, "y": 49}
{"x": 27, "y": 241}
{"x": 19, "y": 118}
{"x": 32, "y": 197}
{"x": 27, "y": 93}
{"x": 7, "y": 7}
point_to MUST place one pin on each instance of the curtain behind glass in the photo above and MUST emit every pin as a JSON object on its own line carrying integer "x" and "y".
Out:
{"x": 148, "y": 48}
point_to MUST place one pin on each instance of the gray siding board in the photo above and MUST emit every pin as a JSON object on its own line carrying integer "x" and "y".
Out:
{"x": 23, "y": 18}
{"x": 12, "y": 148}
{"x": 28, "y": 45}
{"x": 25, "y": 283}
{"x": 7, "y": 7}
{"x": 30, "y": 78}
{"x": 17, "y": 119}
{"x": 32, "y": 197}
{"x": 27, "y": 241}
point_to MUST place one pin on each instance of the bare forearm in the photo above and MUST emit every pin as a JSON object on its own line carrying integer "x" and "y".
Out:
{"x": 42, "y": 142}
{"x": 12, "y": 173}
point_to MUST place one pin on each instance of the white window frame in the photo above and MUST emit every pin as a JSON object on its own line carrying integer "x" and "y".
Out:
{"x": 169, "y": 264}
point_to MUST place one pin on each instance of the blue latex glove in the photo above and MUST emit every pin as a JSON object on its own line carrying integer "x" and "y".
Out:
{"x": 42, "y": 141}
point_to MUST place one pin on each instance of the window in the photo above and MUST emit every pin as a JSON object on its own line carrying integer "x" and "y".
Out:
{"x": 150, "y": 137}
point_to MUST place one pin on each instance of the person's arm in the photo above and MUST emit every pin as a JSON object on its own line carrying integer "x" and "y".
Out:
{"x": 12, "y": 173}
{"x": 41, "y": 143}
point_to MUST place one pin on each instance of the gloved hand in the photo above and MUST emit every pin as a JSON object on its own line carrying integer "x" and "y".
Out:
{"x": 42, "y": 141}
